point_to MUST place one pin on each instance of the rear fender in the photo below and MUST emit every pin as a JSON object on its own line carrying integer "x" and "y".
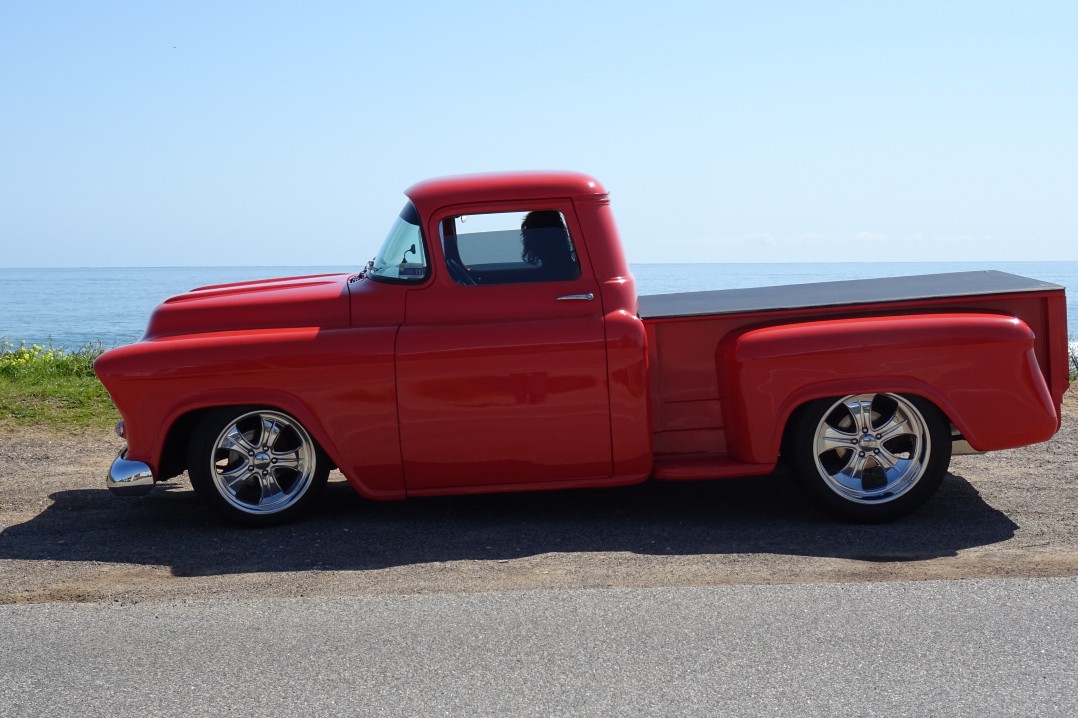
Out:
{"x": 979, "y": 369}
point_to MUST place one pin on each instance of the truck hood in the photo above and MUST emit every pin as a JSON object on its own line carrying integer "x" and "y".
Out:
{"x": 317, "y": 300}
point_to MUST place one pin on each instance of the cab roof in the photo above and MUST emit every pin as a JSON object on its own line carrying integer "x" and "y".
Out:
{"x": 503, "y": 186}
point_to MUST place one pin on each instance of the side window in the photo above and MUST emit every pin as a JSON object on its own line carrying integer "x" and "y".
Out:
{"x": 509, "y": 247}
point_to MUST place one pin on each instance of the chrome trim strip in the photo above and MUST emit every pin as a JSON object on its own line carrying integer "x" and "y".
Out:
{"x": 577, "y": 297}
{"x": 129, "y": 478}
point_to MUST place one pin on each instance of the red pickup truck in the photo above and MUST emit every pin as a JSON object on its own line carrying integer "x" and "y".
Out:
{"x": 496, "y": 343}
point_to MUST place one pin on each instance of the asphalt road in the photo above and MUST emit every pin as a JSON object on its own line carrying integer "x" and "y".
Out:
{"x": 973, "y": 647}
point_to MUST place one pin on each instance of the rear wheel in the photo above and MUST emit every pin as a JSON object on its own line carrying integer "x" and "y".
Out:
{"x": 871, "y": 457}
{"x": 255, "y": 466}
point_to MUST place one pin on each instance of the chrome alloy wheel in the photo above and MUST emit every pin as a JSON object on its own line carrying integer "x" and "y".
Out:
{"x": 872, "y": 448}
{"x": 263, "y": 462}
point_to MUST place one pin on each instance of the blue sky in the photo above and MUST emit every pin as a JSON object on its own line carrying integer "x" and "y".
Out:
{"x": 159, "y": 134}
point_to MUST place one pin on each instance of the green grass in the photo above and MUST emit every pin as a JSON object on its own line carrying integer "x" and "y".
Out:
{"x": 51, "y": 387}
{"x": 1072, "y": 347}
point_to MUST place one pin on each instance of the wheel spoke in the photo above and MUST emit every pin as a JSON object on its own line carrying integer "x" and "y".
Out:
{"x": 235, "y": 478}
{"x": 270, "y": 431}
{"x": 234, "y": 440}
{"x": 286, "y": 460}
{"x": 897, "y": 425}
{"x": 854, "y": 472}
{"x": 270, "y": 488}
{"x": 849, "y": 458}
{"x": 886, "y": 459}
{"x": 835, "y": 438}
{"x": 861, "y": 411}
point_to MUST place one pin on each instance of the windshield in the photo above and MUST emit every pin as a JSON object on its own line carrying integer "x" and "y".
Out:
{"x": 402, "y": 257}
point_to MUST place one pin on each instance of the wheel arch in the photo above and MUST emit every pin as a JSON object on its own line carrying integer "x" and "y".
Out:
{"x": 792, "y": 415}
{"x": 172, "y": 455}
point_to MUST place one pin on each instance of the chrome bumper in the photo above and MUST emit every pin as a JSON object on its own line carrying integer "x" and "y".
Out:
{"x": 129, "y": 478}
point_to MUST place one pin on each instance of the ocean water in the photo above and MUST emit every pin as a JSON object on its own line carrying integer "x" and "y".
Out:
{"x": 75, "y": 307}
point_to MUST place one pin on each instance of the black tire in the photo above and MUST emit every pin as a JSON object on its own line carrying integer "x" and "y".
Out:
{"x": 870, "y": 458}
{"x": 255, "y": 466}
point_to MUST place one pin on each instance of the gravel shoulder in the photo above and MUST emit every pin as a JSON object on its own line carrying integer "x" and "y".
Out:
{"x": 64, "y": 537}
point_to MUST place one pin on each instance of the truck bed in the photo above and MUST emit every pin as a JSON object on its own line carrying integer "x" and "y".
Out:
{"x": 692, "y": 406}
{"x": 837, "y": 294}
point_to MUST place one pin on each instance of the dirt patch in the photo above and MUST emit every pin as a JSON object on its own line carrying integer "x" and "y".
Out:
{"x": 63, "y": 537}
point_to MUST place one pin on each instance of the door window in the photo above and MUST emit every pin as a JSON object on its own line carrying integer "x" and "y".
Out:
{"x": 509, "y": 247}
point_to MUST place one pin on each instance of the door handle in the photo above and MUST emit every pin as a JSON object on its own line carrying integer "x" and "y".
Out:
{"x": 577, "y": 297}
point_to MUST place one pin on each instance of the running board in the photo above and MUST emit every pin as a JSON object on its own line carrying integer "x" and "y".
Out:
{"x": 704, "y": 466}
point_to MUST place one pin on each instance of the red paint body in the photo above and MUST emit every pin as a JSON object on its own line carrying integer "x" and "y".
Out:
{"x": 433, "y": 387}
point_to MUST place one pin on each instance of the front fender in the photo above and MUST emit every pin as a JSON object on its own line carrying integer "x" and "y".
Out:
{"x": 339, "y": 384}
{"x": 979, "y": 369}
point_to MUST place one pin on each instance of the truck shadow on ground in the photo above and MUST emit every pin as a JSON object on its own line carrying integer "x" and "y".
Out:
{"x": 735, "y": 516}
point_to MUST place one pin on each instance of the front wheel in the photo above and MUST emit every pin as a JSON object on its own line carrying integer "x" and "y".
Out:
{"x": 871, "y": 457}
{"x": 255, "y": 466}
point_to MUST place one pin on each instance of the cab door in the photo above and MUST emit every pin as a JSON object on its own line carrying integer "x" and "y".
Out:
{"x": 501, "y": 369}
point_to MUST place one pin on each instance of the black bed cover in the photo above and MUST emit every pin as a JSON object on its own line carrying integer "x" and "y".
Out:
{"x": 837, "y": 294}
